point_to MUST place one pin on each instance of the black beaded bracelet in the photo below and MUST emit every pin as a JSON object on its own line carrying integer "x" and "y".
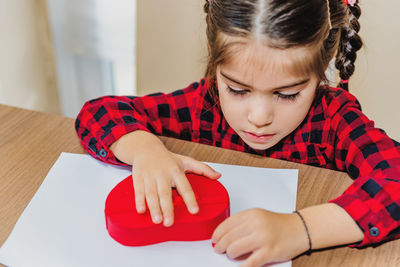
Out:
{"x": 308, "y": 233}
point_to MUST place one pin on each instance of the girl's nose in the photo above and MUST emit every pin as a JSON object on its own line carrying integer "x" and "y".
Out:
{"x": 261, "y": 116}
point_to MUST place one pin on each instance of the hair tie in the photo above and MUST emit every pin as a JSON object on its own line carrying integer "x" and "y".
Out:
{"x": 308, "y": 252}
{"x": 344, "y": 81}
{"x": 350, "y": 2}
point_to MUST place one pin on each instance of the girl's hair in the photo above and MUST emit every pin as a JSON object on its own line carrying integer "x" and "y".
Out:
{"x": 324, "y": 27}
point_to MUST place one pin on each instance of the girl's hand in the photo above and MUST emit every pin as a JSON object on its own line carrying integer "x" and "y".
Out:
{"x": 155, "y": 172}
{"x": 270, "y": 237}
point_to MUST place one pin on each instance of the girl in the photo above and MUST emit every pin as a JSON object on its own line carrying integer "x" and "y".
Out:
{"x": 266, "y": 93}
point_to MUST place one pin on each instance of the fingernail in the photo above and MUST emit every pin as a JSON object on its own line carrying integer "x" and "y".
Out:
{"x": 140, "y": 209}
{"x": 167, "y": 222}
{"x": 157, "y": 219}
{"x": 194, "y": 209}
{"x": 213, "y": 245}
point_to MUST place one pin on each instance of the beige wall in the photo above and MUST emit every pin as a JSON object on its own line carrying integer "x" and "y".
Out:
{"x": 375, "y": 81}
{"x": 171, "y": 49}
{"x": 171, "y": 45}
{"x": 26, "y": 68}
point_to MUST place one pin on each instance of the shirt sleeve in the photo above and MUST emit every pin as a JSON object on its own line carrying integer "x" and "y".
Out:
{"x": 104, "y": 120}
{"x": 372, "y": 159}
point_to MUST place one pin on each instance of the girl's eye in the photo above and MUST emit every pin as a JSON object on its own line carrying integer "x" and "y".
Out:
{"x": 290, "y": 97}
{"x": 236, "y": 91}
{"x": 240, "y": 92}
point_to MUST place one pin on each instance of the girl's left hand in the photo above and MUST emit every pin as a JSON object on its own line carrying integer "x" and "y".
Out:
{"x": 269, "y": 236}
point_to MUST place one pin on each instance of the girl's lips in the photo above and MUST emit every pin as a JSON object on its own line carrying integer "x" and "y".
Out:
{"x": 258, "y": 138}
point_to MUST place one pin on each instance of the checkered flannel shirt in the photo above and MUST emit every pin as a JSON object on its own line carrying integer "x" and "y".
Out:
{"x": 335, "y": 135}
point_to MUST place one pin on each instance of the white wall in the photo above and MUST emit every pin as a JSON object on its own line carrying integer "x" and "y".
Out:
{"x": 94, "y": 45}
{"x": 26, "y": 75}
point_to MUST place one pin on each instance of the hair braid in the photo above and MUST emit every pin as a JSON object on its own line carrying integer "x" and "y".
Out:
{"x": 350, "y": 43}
{"x": 206, "y": 6}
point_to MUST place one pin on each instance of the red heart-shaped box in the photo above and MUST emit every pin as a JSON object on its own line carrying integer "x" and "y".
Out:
{"x": 130, "y": 228}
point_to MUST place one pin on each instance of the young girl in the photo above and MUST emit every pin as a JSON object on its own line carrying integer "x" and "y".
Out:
{"x": 266, "y": 93}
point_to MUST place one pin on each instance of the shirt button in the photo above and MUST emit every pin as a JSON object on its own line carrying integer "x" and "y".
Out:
{"x": 103, "y": 153}
{"x": 374, "y": 231}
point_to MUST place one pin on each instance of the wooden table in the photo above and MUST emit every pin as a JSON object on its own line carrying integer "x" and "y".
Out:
{"x": 31, "y": 142}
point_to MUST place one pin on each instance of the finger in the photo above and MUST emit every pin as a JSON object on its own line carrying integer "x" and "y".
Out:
{"x": 167, "y": 208}
{"x": 230, "y": 237}
{"x": 200, "y": 168}
{"x": 185, "y": 190}
{"x": 152, "y": 199}
{"x": 227, "y": 225}
{"x": 258, "y": 258}
{"x": 241, "y": 247}
{"x": 138, "y": 187}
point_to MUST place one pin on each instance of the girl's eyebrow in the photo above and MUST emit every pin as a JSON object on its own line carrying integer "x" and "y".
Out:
{"x": 277, "y": 88}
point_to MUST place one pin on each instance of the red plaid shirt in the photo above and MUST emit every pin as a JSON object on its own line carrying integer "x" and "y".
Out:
{"x": 335, "y": 134}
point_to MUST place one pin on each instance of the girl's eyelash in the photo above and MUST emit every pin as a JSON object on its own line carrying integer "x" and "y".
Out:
{"x": 290, "y": 97}
{"x": 236, "y": 92}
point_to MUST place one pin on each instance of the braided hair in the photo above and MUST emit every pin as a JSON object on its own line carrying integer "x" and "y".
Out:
{"x": 350, "y": 43}
{"x": 326, "y": 27}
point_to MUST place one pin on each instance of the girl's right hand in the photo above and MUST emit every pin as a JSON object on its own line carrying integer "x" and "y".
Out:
{"x": 155, "y": 173}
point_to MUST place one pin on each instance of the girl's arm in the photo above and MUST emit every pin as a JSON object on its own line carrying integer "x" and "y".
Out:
{"x": 372, "y": 159}
{"x": 330, "y": 225}
{"x": 122, "y": 130}
{"x": 104, "y": 120}
{"x": 274, "y": 237}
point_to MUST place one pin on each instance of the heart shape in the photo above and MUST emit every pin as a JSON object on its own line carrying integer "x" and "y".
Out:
{"x": 130, "y": 228}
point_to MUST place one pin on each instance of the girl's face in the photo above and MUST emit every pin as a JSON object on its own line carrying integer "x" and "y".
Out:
{"x": 260, "y": 99}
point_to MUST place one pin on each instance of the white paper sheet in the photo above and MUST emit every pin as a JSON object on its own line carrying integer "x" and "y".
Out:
{"x": 64, "y": 224}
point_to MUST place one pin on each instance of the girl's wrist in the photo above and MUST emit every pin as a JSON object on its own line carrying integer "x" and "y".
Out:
{"x": 330, "y": 225}
{"x": 307, "y": 231}
{"x": 300, "y": 237}
{"x": 130, "y": 145}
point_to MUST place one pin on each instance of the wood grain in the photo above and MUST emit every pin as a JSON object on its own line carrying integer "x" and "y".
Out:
{"x": 30, "y": 143}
